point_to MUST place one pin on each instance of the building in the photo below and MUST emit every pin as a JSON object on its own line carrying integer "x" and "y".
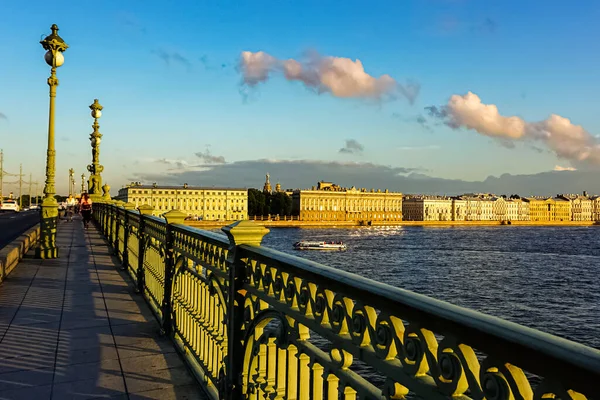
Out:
{"x": 500, "y": 210}
{"x": 538, "y": 209}
{"x": 267, "y": 186}
{"x": 549, "y": 209}
{"x": 595, "y": 208}
{"x": 427, "y": 208}
{"x": 581, "y": 206}
{"x": 330, "y": 202}
{"x": 504, "y": 209}
{"x": 459, "y": 209}
{"x": 517, "y": 210}
{"x": 477, "y": 207}
{"x": 205, "y": 203}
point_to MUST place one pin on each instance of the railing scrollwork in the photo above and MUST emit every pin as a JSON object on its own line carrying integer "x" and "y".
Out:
{"x": 259, "y": 324}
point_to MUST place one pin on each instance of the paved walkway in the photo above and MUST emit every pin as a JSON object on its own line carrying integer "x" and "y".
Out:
{"x": 73, "y": 328}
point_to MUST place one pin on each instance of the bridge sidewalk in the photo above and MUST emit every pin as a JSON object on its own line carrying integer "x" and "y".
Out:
{"x": 73, "y": 328}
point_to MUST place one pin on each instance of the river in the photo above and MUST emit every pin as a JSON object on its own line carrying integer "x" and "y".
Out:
{"x": 546, "y": 278}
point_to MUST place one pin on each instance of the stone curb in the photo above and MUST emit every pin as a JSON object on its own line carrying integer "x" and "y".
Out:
{"x": 12, "y": 253}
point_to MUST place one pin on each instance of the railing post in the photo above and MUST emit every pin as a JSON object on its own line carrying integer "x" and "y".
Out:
{"x": 111, "y": 219}
{"x": 144, "y": 210}
{"x": 241, "y": 232}
{"x": 117, "y": 225}
{"x": 126, "y": 229}
{"x": 172, "y": 217}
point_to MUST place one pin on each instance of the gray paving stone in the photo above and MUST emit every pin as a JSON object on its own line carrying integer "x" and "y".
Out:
{"x": 26, "y": 378}
{"x": 28, "y": 393}
{"x": 158, "y": 379}
{"x": 185, "y": 392}
{"x": 78, "y": 372}
{"x": 103, "y": 385}
{"x": 74, "y": 328}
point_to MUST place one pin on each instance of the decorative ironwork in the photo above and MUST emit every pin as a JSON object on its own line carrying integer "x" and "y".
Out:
{"x": 256, "y": 323}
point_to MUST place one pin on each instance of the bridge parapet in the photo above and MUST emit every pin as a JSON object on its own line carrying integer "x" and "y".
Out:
{"x": 256, "y": 323}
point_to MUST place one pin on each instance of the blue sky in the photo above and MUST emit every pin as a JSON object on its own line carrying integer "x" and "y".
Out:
{"x": 529, "y": 58}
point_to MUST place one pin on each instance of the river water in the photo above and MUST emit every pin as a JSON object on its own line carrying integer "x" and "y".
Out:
{"x": 546, "y": 278}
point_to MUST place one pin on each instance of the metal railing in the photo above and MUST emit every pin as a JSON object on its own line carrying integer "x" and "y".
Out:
{"x": 256, "y": 323}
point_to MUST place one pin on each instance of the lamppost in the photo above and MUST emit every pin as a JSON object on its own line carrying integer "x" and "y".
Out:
{"x": 71, "y": 181}
{"x": 54, "y": 46}
{"x": 82, "y": 183}
{"x": 95, "y": 181}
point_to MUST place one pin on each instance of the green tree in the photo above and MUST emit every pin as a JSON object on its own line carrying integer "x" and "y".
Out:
{"x": 281, "y": 204}
{"x": 256, "y": 202}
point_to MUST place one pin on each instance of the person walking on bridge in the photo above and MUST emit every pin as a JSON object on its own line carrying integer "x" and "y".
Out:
{"x": 86, "y": 209}
{"x": 71, "y": 202}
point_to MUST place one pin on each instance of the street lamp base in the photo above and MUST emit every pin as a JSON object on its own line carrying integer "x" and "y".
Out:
{"x": 48, "y": 224}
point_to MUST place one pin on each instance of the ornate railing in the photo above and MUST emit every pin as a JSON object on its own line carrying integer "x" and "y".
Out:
{"x": 257, "y": 323}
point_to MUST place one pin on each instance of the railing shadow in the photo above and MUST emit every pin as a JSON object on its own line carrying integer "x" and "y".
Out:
{"x": 150, "y": 364}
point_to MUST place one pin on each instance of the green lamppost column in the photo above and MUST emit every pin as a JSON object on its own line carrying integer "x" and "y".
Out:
{"x": 54, "y": 46}
{"x": 95, "y": 181}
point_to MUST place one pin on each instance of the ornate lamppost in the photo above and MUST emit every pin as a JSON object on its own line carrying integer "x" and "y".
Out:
{"x": 82, "y": 183}
{"x": 95, "y": 181}
{"x": 54, "y": 46}
{"x": 71, "y": 181}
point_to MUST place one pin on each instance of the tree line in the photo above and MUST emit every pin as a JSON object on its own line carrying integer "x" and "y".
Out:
{"x": 261, "y": 203}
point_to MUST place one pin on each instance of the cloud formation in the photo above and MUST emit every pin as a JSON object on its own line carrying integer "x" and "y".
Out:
{"x": 305, "y": 173}
{"x": 352, "y": 147}
{"x": 559, "y": 134}
{"x": 130, "y": 21}
{"x": 339, "y": 76}
{"x": 168, "y": 56}
{"x": 487, "y": 26}
{"x": 176, "y": 164}
{"x": 559, "y": 168}
{"x": 208, "y": 158}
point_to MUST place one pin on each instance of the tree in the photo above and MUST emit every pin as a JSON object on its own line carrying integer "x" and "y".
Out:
{"x": 280, "y": 204}
{"x": 257, "y": 202}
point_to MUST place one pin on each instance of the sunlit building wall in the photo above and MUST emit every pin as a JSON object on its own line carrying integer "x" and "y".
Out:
{"x": 210, "y": 204}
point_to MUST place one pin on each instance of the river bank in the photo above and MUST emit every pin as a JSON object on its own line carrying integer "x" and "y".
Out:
{"x": 350, "y": 224}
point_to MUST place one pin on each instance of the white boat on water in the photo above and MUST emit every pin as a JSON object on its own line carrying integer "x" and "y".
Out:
{"x": 309, "y": 245}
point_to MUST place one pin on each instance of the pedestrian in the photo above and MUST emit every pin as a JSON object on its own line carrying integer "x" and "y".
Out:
{"x": 86, "y": 209}
{"x": 71, "y": 202}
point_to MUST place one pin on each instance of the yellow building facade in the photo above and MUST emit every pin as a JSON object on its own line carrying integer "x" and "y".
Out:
{"x": 581, "y": 206}
{"x": 329, "y": 202}
{"x": 549, "y": 209}
{"x": 203, "y": 203}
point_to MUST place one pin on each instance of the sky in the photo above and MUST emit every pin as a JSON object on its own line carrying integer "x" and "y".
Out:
{"x": 360, "y": 93}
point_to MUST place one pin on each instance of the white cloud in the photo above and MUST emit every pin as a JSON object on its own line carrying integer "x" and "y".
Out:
{"x": 559, "y": 168}
{"x": 565, "y": 139}
{"x": 340, "y": 76}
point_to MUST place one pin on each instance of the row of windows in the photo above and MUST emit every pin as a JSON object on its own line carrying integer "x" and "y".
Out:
{"x": 342, "y": 202}
{"x": 172, "y": 200}
{"x": 189, "y": 192}
{"x": 341, "y": 217}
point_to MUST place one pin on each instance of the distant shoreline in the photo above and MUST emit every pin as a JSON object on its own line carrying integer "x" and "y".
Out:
{"x": 352, "y": 224}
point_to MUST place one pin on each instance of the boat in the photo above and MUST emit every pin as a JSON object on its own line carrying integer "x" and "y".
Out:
{"x": 310, "y": 245}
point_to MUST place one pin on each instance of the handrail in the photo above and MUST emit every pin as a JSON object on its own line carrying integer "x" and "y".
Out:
{"x": 255, "y": 322}
{"x": 484, "y": 332}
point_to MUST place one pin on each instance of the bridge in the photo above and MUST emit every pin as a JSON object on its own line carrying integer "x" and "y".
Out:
{"x": 146, "y": 307}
